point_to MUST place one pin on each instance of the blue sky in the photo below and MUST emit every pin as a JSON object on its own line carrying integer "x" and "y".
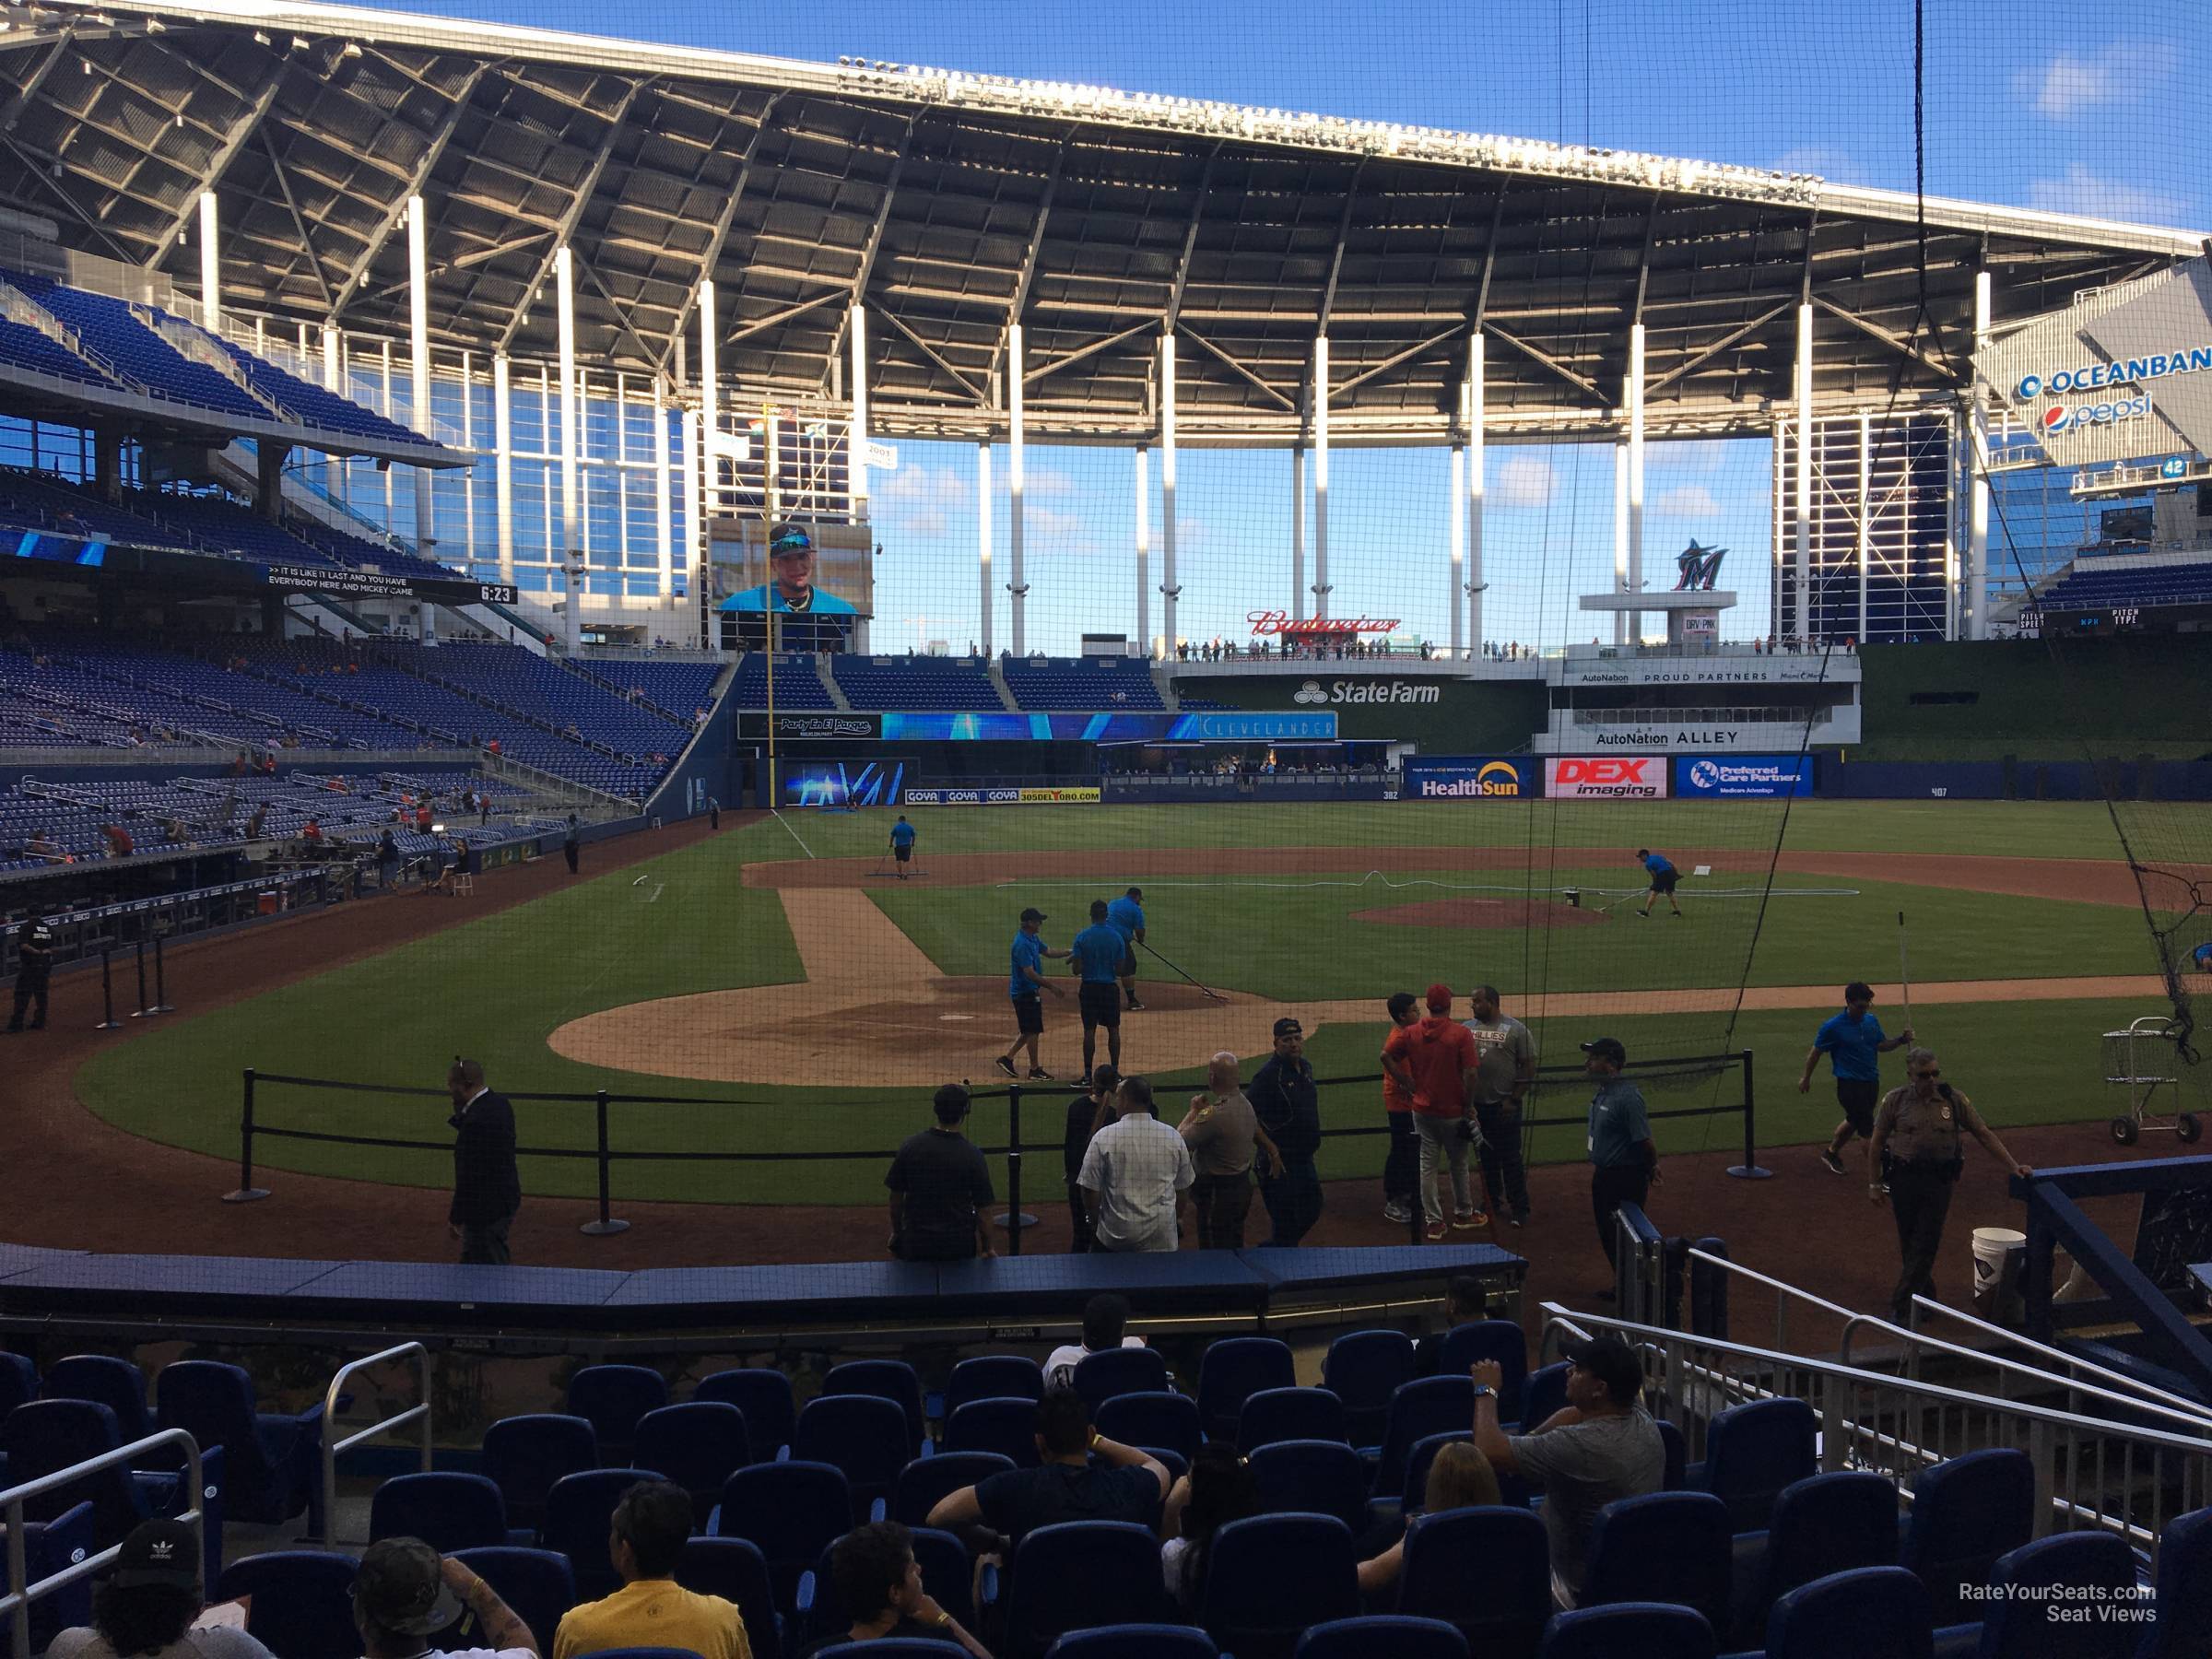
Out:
{"x": 2063, "y": 106}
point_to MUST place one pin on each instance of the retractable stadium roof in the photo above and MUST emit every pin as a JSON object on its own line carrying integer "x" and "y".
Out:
{"x": 955, "y": 203}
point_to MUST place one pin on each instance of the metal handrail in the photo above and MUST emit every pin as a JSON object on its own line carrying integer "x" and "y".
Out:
{"x": 20, "y": 1594}
{"x": 419, "y": 1410}
{"x": 1781, "y": 1307}
{"x": 2196, "y": 1408}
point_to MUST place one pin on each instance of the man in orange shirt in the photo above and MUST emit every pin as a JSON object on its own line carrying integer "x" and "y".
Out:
{"x": 1401, "y": 1177}
{"x": 1441, "y": 1062}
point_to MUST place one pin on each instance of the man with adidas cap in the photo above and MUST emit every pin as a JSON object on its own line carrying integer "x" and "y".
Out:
{"x": 147, "y": 1601}
{"x": 404, "y": 1591}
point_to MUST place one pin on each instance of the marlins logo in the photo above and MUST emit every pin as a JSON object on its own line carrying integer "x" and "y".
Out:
{"x": 1701, "y": 568}
{"x": 1310, "y": 692}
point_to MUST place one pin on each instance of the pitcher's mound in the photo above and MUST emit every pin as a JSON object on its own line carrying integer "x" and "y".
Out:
{"x": 1481, "y": 912}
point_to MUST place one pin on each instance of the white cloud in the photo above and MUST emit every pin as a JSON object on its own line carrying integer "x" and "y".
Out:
{"x": 1687, "y": 500}
{"x": 1689, "y": 455}
{"x": 2083, "y": 191}
{"x": 1046, "y": 481}
{"x": 916, "y": 502}
{"x": 2072, "y": 84}
{"x": 1526, "y": 481}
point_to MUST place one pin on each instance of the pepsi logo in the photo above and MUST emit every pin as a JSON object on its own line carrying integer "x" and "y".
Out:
{"x": 2057, "y": 419}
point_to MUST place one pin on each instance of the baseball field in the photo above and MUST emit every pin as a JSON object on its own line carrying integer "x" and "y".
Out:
{"x": 778, "y": 990}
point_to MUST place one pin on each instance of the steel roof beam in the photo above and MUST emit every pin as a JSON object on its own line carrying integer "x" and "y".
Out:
{"x": 1190, "y": 241}
{"x": 307, "y": 245}
{"x": 1027, "y": 273}
{"x": 1191, "y": 334}
{"x": 1691, "y": 365}
{"x": 1455, "y": 331}
{"x": 932, "y": 353}
{"x": 1902, "y": 346}
{"x": 1539, "y": 354}
{"x": 425, "y": 164}
{"x": 719, "y": 232}
{"x": 12, "y": 111}
{"x": 1343, "y": 231}
{"x": 1068, "y": 361}
{"x": 868, "y": 250}
{"x": 578, "y": 202}
{"x": 33, "y": 170}
{"x": 211, "y": 175}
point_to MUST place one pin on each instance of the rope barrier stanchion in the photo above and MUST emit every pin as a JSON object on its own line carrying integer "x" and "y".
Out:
{"x": 1749, "y": 1169}
{"x": 108, "y": 1021}
{"x": 247, "y": 1192}
{"x": 143, "y": 1012}
{"x": 606, "y": 1223}
{"x": 161, "y": 1002}
{"x": 1014, "y": 1219}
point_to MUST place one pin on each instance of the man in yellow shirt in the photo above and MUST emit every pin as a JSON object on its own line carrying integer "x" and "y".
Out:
{"x": 645, "y": 1536}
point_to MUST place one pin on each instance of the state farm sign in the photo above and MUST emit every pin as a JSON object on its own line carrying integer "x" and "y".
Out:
{"x": 1607, "y": 776}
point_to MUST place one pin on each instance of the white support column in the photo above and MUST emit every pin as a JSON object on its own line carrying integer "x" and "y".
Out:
{"x": 418, "y": 370}
{"x": 1636, "y": 477}
{"x": 1169, "y": 590}
{"x": 982, "y": 539}
{"x": 709, "y": 409}
{"x": 1016, "y": 587}
{"x": 1321, "y": 476}
{"x": 384, "y": 408}
{"x": 692, "y": 540}
{"x": 856, "y": 440}
{"x": 571, "y": 543}
{"x": 1976, "y": 606}
{"x": 1865, "y": 513}
{"x": 1297, "y": 532}
{"x": 621, "y": 484}
{"x": 1456, "y": 536}
{"x": 1801, "y": 626}
{"x": 502, "y": 445}
{"x": 664, "y": 517}
{"x": 1620, "y": 536}
{"x": 1476, "y": 400}
{"x": 211, "y": 266}
{"x": 333, "y": 466}
{"x": 1143, "y": 552}
{"x": 468, "y": 441}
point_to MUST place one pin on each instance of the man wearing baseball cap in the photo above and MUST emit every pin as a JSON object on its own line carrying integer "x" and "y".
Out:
{"x": 1287, "y": 1105}
{"x": 1623, "y": 1162}
{"x": 1440, "y": 1059}
{"x": 1024, "y": 986}
{"x": 404, "y": 1591}
{"x": 791, "y": 592}
{"x": 147, "y": 1601}
{"x": 1601, "y": 1445}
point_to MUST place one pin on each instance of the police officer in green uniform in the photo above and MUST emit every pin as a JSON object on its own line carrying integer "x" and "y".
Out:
{"x": 1918, "y": 1144}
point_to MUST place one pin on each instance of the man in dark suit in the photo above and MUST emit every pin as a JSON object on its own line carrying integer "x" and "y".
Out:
{"x": 488, "y": 1189}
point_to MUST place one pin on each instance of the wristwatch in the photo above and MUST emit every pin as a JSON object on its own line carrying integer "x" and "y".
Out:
{"x": 1483, "y": 1388}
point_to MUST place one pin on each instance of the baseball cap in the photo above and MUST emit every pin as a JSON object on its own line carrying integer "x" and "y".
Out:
{"x": 1440, "y": 995}
{"x": 156, "y": 1552}
{"x": 788, "y": 538}
{"x": 1287, "y": 1026}
{"x": 1608, "y": 1048}
{"x": 401, "y": 1587}
{"x": 1033, "y": 914}
{"x": 1612, "y": 1362}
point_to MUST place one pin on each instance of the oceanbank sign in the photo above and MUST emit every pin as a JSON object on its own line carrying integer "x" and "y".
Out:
{"x": 2129, "y": 371}
{"x": 1312, "y": 694}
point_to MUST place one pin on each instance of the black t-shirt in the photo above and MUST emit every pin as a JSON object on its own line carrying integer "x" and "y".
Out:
{"x": 905, "y": 1627}
{"x": 1018, "y": 1501}
{"x": 1077, "y": 1140}
{"x": 943, "y": 1178}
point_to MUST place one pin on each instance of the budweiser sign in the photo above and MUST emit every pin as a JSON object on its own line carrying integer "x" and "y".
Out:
{"x": 1280, "y": 622}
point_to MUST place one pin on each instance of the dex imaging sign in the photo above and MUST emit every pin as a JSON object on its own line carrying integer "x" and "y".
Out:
{"x": 1743, "y": 776}
{"x": 1606, "y": 778}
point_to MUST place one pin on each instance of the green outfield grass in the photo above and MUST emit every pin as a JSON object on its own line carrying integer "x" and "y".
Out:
{"x": 497, "y": 986}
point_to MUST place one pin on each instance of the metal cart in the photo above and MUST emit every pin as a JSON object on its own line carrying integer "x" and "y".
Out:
{"x": 2143, "y": 1059}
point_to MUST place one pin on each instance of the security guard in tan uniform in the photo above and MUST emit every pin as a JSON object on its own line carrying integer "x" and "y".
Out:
{"x": 1918, "y": 1146}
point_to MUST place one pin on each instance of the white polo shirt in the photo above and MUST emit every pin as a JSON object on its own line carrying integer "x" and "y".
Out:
{"x": 1137, "y": 1165}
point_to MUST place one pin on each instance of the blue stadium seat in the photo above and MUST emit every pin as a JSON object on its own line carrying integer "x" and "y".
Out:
{"x": 2181, "y": 1589}
{"x": 1821, "y": 1525}
{"x": 894, "y": 1647}
{"x": 763, "y": 1394}
{"x": 863, "y": 1435}
{"x": 537, "y": 1584}
{"x": 892, "y": 1379}
{"x": 1753, "y": 1450}
{"x": 1273, "y": 1577}
{"x": 612, "y": 1398}
{"x": 1543, "y": 1393}
{"x": 577, "y": 1512}
{"x": 1322, "y": 1477}
{"x": 1647, "y": 1630}
{"x": 1234, "y": 1369}
{"x": 525, "y": 1455}
{"x": 1364, "y": 1369}
{"x": 18, "y": 1382}
{"x": 1675, "y": 1473}
{"x": 272, "y": 1461}
{"x": 2030, "y": 1580}
{"x": 993, "y": 1377}
{"x": 946, "y": 1577}
{"x": 116, "y": 1384}
{"x": 734, "y": 1570}
{"x": 1486, "y": 1572}
{"x": 927, "y": 1479}
{"x": 1151, "y": 1419}
{"x": 1414, "y": 1496}
{"x": 448, "y": 1511}
{"x": 1426, "y": 1405}
{"x": 792, "y": 1510}
{"x": 51, "y": 1546}
{"x": 1967, "y": 1511}
{"x": 1281, "y": 1413}
{"x": 1136, "y": 1642}
{"x": 1079, "y": 1576}
{"x": 1099, "y": 1377}
{"x": 302, "y": 1602}
{"x": 1498, "y": 1339}
{"x": 1008, "y": 1427}
{"x": 1662, "y": 1546}
{"x": 698, "y": 1445}
{"x": 645, "y": 1652}
{"x": 44, "y": 1437}
{"x": 1850, "y": 1615}
{"x": 1381, "y": 1636}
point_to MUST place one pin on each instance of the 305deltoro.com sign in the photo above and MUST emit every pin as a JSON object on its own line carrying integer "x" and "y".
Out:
{"x": 1606, "y": 778}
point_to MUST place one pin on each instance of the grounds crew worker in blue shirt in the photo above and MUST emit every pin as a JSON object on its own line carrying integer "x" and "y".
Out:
{"x": 1023, "y": 985}
{"x": 1623, "y": 1162}
{"x": 1097, "y": 955}
{"x": 1854, "y": 1043}
{"x": 1287, "y": 1105}
{"x": 1126, "y": 915}
{"x": 902, "y": 849}
{"x": 1663, "y": 877}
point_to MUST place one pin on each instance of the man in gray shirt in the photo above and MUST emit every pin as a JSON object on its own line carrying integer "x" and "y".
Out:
{"x": 1506, "y": 1066}
{"x": 1223, "y": 1134}
{"x": 1601, "y": 1445}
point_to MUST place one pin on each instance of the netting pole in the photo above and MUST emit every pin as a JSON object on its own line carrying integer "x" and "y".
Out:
{"x": 143, "y": 1012}
{"x": 1013, "y": 1221}
{"x": 1749, "y": 1169}
{"x": 247, "y": 1192}
{"x": 606, "y": 1224}
{"x": 107, "y": 995}
{"x": 162, "y": 1002}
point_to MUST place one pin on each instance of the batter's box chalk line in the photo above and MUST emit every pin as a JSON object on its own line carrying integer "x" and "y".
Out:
{"x": 1377, "y": 878}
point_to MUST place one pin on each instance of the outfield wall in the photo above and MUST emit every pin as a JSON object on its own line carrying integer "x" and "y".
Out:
{"x": 1465, "y": 716}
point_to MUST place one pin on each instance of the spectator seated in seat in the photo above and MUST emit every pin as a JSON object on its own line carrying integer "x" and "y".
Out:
{"x": 406, "y": 1591}
{"x": 1123, "y": 1484}
{"x": 1218, "y": 1489}
{"x": 645, "y": 1536}
{"x": 1105, "y": 1321}
{"x": 879, "y": 1585}
{"x": 1459, "y": 1477}
{"x": 148, "y": 1604}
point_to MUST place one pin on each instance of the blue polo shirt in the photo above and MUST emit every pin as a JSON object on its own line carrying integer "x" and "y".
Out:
{"x": 902, "y": 834}
{"x": 1617, "y": 1125}
{"x": 1097, "y": 953}
{"x": 2203, "y": 955}
{"x": 1657, "y": 865}
{"x": 1853, "y": 1047}
{"x": 1029, "y": 952}
{"x": 1124, "y": 915}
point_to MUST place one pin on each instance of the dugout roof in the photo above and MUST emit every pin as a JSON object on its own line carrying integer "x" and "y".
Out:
{"x": 956, "y": 203}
